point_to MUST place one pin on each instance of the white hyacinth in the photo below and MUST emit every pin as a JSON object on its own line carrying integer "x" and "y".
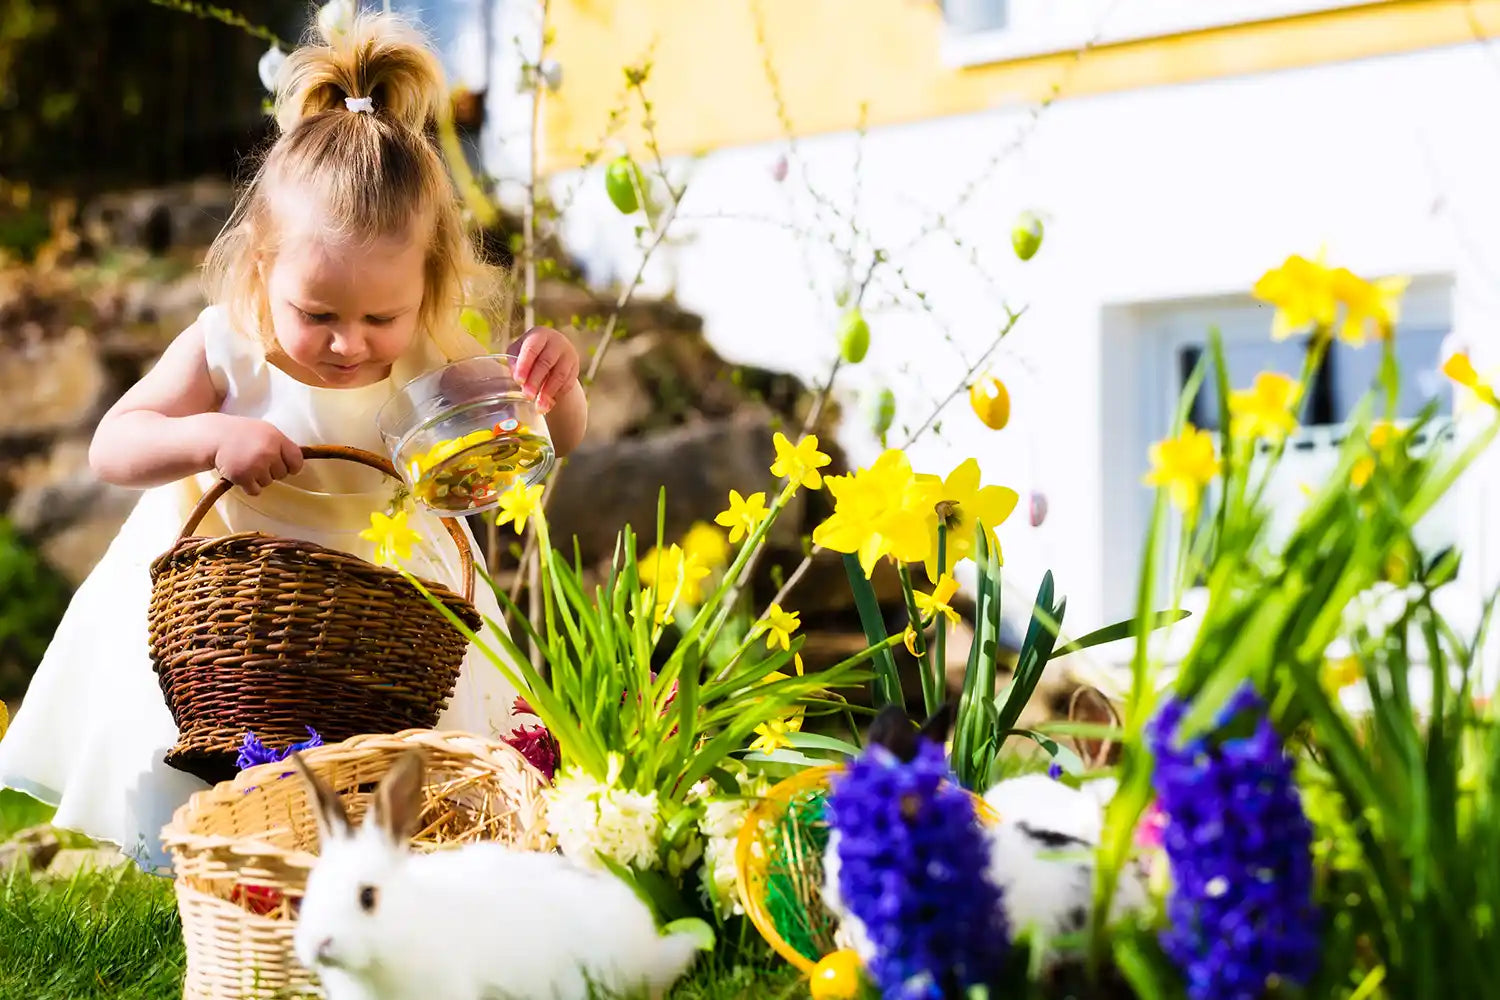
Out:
{"x": 720, "y": 826}
{"x": 593, "y": 819}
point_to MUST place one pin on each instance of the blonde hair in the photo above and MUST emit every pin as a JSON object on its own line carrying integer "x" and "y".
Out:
{"x": 373, "y": 174}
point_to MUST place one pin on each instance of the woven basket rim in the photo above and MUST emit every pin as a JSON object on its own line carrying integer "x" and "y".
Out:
{"x": 190, "y": 547}
{"x": 179, "y": 837}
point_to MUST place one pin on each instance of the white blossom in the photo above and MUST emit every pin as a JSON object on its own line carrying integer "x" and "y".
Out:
{"x": 593, "y": 819}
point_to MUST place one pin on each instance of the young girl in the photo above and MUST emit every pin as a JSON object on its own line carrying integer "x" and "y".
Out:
{"x": 340, "y": 277}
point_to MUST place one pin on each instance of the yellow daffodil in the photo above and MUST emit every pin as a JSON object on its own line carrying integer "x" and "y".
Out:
{"x": 960, "y": 504}
{"x": 392, "y": 536}
{"x": 877, "y": 512}
{"x": 519, "y": 503}
{"x": 1341, "y": 673}
{"x": 799, "y": 465}
{"x": 1302, "y": 292}
{"x": 744, "y": 515}
{"x": 909, "y": 638}
{"x": 706, "y": 544}
{"x": 936, "y": 603}
{"x": 778, "y": 626}
{"x": 1367, "y": 304}
{"x": 666, "y": 569}
{"x": 1461, "y": 370}
{"x": 1184, "y": 465}
{"x": 1383, "y": 433}
{"x": 772, "y": 735}
{"x": 1265, "y": 410}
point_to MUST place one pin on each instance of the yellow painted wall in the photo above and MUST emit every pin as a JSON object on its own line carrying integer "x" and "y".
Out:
{"x": 708, "y": 78}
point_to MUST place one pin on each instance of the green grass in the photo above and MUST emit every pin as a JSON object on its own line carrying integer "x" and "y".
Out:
{"x": 116, "y": 935}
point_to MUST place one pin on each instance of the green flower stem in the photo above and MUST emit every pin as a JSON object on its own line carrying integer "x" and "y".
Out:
{"x": 939, "y": 659}
{"x": 914, "y": 620}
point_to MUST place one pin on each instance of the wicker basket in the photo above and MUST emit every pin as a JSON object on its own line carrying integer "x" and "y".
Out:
{"x": 778, "y": 862}
{"x": 243, "y": 849}
{"x": 272, "y": 635}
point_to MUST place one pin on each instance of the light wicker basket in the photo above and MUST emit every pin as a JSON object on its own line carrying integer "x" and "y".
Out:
{"x": 242, "y": 850}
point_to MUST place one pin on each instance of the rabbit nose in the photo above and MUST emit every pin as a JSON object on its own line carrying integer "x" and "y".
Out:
{"x": 325, "y": 949}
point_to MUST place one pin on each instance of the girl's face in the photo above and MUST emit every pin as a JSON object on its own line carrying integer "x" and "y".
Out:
{"x": 343, "y": 314}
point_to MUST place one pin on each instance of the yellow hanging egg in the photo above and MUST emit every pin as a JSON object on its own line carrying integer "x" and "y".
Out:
{"x": 990, "y": 401}
{"x": 836, "y": 976}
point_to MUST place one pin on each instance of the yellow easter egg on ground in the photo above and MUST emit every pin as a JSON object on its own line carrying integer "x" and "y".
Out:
{"x": 836, "y": 976}
{"x": 4, "y": 719}
{"x": 990, "y": 401}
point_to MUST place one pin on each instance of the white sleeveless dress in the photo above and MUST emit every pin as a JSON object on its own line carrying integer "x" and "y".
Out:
{"x": 93, "y": 727}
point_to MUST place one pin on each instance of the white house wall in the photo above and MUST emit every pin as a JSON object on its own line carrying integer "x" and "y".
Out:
{"x": 1152, "y": 197}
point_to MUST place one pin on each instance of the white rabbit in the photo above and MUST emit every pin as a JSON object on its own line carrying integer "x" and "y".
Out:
{"x": 380, "y": 922}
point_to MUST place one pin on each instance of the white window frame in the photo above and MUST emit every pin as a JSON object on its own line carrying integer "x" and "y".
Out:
{"x": 1046, "y": 27}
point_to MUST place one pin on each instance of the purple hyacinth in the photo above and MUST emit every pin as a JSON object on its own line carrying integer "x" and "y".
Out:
{"x": 254, "y": 752}
{"x": 912, "y": 870}
{"x": 1241, "y": 912}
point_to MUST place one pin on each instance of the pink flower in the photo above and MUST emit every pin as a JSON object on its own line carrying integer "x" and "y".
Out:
{"x": 1148, "y": 832}
{"x": 536, "y": 744}
{"x": 521, "y": 706}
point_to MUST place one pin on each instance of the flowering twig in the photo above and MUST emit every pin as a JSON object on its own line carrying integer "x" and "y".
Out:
{"x": 223, "y": 15}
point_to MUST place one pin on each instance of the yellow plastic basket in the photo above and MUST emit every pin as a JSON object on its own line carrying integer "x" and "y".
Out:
{"x": 765, "y": 839}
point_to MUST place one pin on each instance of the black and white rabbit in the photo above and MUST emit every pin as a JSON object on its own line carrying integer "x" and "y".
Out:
{"x": 1042, "y": 850}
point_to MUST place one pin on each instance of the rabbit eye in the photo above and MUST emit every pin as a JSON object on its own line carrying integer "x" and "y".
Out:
{"x": 367, "y": 898}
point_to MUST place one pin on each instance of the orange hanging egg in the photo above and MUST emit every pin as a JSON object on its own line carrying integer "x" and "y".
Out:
{"x": 990, "y": 401}
{"x": 836, "y": 976}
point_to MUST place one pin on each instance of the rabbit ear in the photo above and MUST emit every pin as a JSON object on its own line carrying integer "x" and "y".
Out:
{"x": 940, "y": 722}
{"x": 328, "y": 808}
{"x": 1088, "y": 705}
{"x": 397, "y": 805}
{"x": 893, "y": 730}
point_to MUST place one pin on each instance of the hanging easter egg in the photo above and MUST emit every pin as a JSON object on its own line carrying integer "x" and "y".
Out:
{"x": 474, "y": 324}
{"x": 854, "y": 337}
{"x": 269, "y": 67}
{"x": 1026, "y": 235}
{"x": 990, "y": 401}
{"x": 882, "y": 412}
{"x": 551, "y": 73}
{"x": 1037, "y": 502}
{"x": 620, "y": 180}
{"x": 836, "y": 976}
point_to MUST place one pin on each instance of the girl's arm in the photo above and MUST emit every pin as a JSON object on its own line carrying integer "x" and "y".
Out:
{"x": 547, "y": 366}
{"x": 167, "y": 426}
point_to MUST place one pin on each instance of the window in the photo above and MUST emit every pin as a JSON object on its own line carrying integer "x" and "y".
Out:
{"x": 1343, "y": 379}
{"x": 970, "y": 17}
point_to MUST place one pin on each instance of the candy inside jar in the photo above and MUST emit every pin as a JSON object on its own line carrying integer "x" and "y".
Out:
{"x": 469, "y": 473}
{"x": 463, "y": 434}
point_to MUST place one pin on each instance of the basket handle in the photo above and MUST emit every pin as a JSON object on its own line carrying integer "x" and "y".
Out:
{"x": 360, "y": 457}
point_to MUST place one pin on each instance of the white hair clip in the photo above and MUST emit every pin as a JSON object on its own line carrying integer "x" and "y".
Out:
{"x": 357, "y": 104}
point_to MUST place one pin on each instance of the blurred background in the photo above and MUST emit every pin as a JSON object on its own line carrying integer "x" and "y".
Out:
{"x": 799, "y": 161}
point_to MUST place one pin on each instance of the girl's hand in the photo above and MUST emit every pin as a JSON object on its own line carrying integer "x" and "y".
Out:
{"x": 253, "y": 454}
{"x": 547, "y": 366}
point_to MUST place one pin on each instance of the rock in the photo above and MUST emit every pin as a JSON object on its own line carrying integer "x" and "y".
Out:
{"x": 159, "y": 219}
{"x": 36, "y": 847}
{"x": 68, "y": 513}
{"x": 75, "y": 860}
{"x": 606, "y": 486}
{"x": 52, "y": 385}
